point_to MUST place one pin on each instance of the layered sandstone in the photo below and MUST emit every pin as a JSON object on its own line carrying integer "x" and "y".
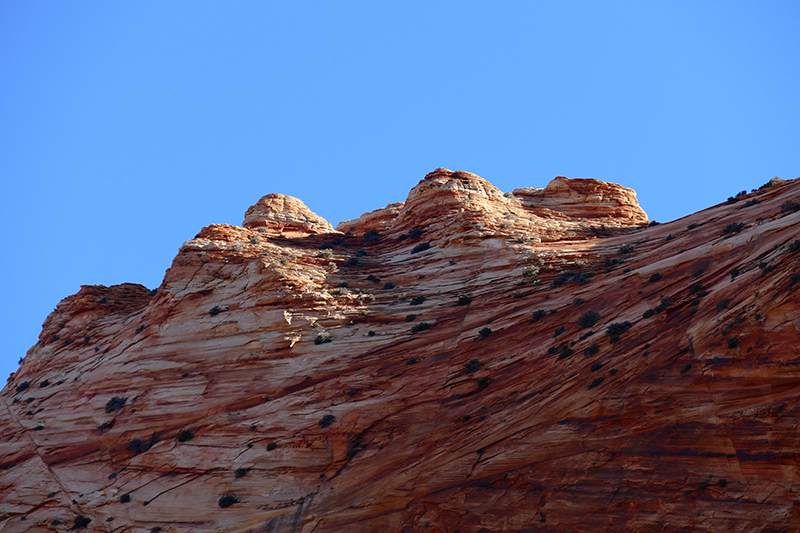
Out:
{"x": 443, "y": 374}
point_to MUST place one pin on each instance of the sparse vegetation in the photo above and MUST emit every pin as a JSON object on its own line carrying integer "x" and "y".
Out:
{"x": 185, "y": 436}
{"x": 530, "y": 271}
{"x": 421, "y": 247}
{"x": 125, "y": 498}
{"x": 693, "y": 225}
{"x": 484, "y": 332}
{"x": 412, "y": 361}
{"x": 23, "y": 386}
{"x": 570, "y": 277}
{"x": 323, "y": 337}
{"x": 733, "y": 342}
{"x": 723, "y": 304}
{"x": 558, "y": 331}
{"x": 616, "y": 329}
{"x": 115, "y": 404}
{"x": 735, "y": 272}
{"x": 595, "y": 382}
{"x": 750, "y": 202}
{"x": 772, "y": 183}
{"x": 588, "y": 319}
{"x": 373, "y": 278}
{"x": 472, "y": 366}
{"x": 626, "y": 249}
{"x": 790, "y": 207}
{"x": 686, "y": 368}
{"x": 422, "y": 326}
{"x": 227, "y": 500}
{"x": 698, "y": 290}
{"x": 327, "y": 420}
{"x": 595, "y": 367}
{"x": 464, "y": 300}
{"x": 592, "y": 349}
{"x": 411, "y": 318}
{"x": 656, "y": 276}
{"x": 371, "y": 236}
{"x": 240, "y": 472}
{"x": 416, "y": 300}
{"x": 81, "y": 522}
{"x": 538, "y": 315}
{"x": 483, "y": 382}
{"x": 388, "y": 286}
{"x": 733, "y": 227}
{"x": 217, "y": 309}
{"x": 415, "y": 233}
{"x": 565, "y": 352}
{"x": 326, "y": 253}
{"x": 271, "y": 446}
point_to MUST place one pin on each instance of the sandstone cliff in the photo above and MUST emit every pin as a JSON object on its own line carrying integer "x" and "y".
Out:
{"x": 466, "y": 360}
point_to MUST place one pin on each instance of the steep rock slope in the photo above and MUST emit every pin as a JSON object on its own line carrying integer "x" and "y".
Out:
{"x": 467, "y": 361}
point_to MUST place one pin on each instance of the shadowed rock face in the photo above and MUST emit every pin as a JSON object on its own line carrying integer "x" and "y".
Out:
{"x": 484, "y": 362}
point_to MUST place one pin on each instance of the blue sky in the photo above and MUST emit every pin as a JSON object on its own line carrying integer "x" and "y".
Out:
{"x": 126, "y": 127}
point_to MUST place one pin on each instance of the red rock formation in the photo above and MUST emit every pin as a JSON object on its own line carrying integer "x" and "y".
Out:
{"x": 289, "y": 377}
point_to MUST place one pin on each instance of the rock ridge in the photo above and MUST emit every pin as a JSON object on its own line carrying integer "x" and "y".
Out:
{"x": 467, "y": 360}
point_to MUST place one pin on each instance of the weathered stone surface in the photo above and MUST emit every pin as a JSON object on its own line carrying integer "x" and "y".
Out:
{"x": 585, "y": 198}
{"x": 493, "y": 418}
{"x": 279, "y": 213}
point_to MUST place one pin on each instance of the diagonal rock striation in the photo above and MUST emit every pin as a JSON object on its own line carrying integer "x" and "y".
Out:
{"x": 466, "y": 360}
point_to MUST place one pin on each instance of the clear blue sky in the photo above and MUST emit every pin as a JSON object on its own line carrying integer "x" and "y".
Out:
{"x": 125, "y": 127}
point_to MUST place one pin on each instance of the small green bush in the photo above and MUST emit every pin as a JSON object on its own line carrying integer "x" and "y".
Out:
{"x": 371, "y": 236}
{"x": 559, "y": 330}
{"x": 483, "y": 333}
{"x": 241, "y": 472}
{"x": 464, "y": 300}
{"x": 565, "y": 352}
{"x": 723, "y": 304}
{"x": 733, "y": 342}
{"x": 227, "y": 500}
{"x": 588, "y": 319}
{"x": 790, "y": 207}
{"x": 421, "y": 247}
{"x": 592, "y": 349}
{"x": 412, "y": 361}
{"x": 597, "y": 366}
{"x": 538, "y": 315}
{"x": 185, "y": 436}
{"x": 23, "y": 386}
{"x": 125, "y": 498}
{"x": 733, "y": 227}
{"x": 416, "y": 300}
{"x": 483, "y": 382}
{"x": 693, "y": 225}
{"x": 472, "y": 366}
{"x": 772, "y": 183}
{"x": 626, "y": 249}
{"x": 422, "y": 326}
{"x": 595, "y": 382}
{"x": 81, "y": 522}
{"x": 326, "y": 421}
{"x": 411, "y": 318}
{"x": 327, "y": 253}
{"x": 616, "y": 329}
{"x": 271, "y": 446}
{"x": 686, "y": 368}
{"x": 415, "y": 233}
{"x": 217, "y": 309}
{"x": 323, "y": 337}
{"x": 735, "y": 272}
{"x": 530, "y": 271}
{"x": 388, "y": 286}
{"x": 656, "y": 276}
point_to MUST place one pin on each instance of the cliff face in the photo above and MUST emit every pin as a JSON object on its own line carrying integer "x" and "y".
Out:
{"x": 463, "y": 361}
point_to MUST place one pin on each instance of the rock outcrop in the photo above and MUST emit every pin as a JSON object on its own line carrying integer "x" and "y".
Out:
{"x": 465, "y": 361}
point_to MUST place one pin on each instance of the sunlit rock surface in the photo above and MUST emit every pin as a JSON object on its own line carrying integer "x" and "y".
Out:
{"x": 440, "y": 365}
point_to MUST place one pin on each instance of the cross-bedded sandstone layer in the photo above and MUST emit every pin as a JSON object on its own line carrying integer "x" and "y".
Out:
{"x": 467, "y": 361}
